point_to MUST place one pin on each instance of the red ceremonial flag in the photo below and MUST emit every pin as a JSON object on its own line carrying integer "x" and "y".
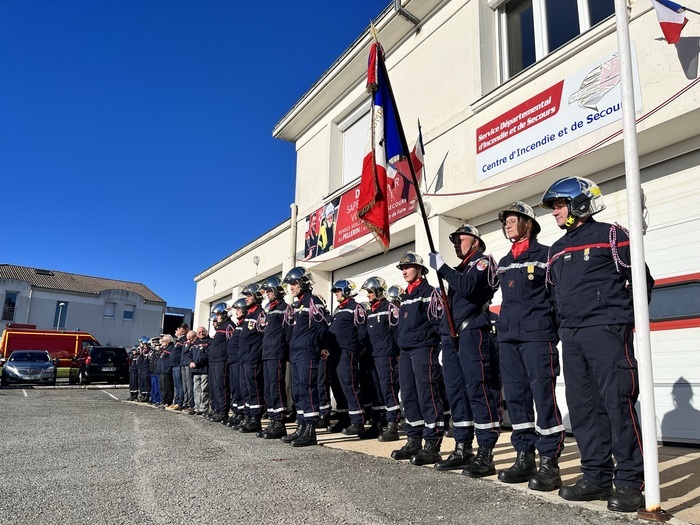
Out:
{"x": 383, "y": 148}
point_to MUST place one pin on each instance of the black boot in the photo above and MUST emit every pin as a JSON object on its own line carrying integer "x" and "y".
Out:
{"x": 372, "y": 432}
{"x": 323, "y": 423}
{"x": 234, "y": 420}
{"x": 217, "y": 418}
{"x": 428, "y": 455}
{"x": 460, "y": 458}
{"x": 277, "y": 431}
{"x": 547, "y": 477}
{"x": 343, "y": 422}
{"x": 522, "y": 470}
{"x": 261, "y": 433}
{"x": 294, "y": 435}
{"x": 253, "y": 425}
{"x": 584, "y": 490}
{"x": 243, "y": 422}
{"x": 626, "y": 499}
{"x": 411, "y": 447}
{"x": 354, "y": 430}
{"x": 391, "y": 433}
{"x": 307, "y": 438}
{"x": 482, "y": 464}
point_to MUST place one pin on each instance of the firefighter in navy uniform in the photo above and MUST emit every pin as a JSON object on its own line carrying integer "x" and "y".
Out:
{"x": 346, "y": 339}
{"x": 144, "y": 370}
{"x": 275, "y": 352}
{"x": 134, "y": 370}
{"x": 528, "y": 353}
{"x": 382, "y": 319}
{"x": 250, "y": 350}
{"x": 308, "y": 333}
{"x": 418, "y": 337}
{"x": 471, "y": 381}
{"x": 589, "y": 269}
{"x": 233, "y": 361}
{"x": 217, "y": 363}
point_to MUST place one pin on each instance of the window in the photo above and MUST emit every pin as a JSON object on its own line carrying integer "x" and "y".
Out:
{"x": 676, "y": 301}
{"x": 129, "y": 310}
{"x": 534, "y": 28}
{"x": 8, "y": 307}
{"x": 354, "y": 129}
{"x": 110, "y": 309}
{"x": 59, "y": 318}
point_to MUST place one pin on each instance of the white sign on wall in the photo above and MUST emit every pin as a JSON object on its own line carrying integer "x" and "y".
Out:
{"x": 571, "y": 108}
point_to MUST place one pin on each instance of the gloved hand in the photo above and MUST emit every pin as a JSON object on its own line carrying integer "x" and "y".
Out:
{"x": 436, "y": 260}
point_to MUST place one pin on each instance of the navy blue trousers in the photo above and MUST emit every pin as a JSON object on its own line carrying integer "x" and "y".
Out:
{"x": 601, "y": 377}
{"x": 388, "y": 376}
{"x": 255, "y": 401}
{"x": 529, "y": 372}
{"x": 217, "y": 387}
{"x": 419, "y": 377}
{"x": 349, "y": 375}
{"x": 234, "y": 387}
{"x": 275, "y": 388}
{"x": 305, "y": 385}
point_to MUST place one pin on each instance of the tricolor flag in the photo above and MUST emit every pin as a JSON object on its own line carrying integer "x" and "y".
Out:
{"x": 383, "y": 148}
{"x": 402, "y": 169}
{"x": 671, "y": 19}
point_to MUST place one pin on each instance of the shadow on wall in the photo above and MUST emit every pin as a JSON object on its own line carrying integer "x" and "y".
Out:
{"x": 684, "y": 420}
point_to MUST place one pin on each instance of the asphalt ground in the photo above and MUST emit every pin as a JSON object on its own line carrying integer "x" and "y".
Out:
{"x": 77, "y": 455}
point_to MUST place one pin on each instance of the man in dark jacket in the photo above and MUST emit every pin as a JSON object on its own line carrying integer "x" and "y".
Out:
{"x": 589, "y": 269}
{"x": 165, "y": 370}
{"x": 199, "y": 366}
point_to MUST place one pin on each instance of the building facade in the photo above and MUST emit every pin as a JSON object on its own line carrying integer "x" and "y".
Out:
{"x": 115, "y": 312}
{"x": 511, "y": 96}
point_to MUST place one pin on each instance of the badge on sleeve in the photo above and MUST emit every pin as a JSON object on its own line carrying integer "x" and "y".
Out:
{"x": 482, "y": 265}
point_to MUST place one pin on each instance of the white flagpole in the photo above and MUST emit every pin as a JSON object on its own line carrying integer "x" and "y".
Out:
{"x": 635, "y": 218}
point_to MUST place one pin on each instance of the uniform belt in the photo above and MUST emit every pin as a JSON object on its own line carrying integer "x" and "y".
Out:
{"x": 469, "y": 319}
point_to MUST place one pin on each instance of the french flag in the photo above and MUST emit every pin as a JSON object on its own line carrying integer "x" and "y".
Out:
{"x": 671, "y": 19}
{"x": 384, "y": 147}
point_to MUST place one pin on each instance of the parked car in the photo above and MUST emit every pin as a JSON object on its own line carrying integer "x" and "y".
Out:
{"x": 100, "y": 363}
{"x": 29, "y": 366}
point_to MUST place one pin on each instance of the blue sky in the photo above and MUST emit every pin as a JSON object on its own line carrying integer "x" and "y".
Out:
{"x": 136, "y": 135}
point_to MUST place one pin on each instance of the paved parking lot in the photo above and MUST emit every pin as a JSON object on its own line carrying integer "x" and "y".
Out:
{"x": 76, "y": 455}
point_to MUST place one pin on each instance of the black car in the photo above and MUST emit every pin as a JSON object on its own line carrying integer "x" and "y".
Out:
{"x": 100, "y": 363}
{"x": 29, "y": 366}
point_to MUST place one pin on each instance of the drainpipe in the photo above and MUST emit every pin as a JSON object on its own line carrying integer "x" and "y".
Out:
{"x": 293, "y": 233}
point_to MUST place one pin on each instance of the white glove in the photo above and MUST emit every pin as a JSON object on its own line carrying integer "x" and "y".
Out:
{"x": 436, "y": 260}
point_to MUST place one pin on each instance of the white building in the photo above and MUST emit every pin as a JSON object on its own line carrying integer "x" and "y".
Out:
{"x": 114, "y": 312}
{"x": 510, "y": 99}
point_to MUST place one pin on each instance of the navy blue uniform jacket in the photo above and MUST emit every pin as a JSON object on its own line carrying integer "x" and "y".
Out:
{"x": 275, "y": 342}
{"x": 588, "y": 288}
{"x": 217, "y": 348}
{"x": 526, "y": 309}
{"x": 415, "y": 329}
{"x": 250, "y": 340}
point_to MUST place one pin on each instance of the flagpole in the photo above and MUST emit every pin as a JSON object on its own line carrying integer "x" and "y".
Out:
{"x": 639, "y": 283}
{"x": 419, "y": 197}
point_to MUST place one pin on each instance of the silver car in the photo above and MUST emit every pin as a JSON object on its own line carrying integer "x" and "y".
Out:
{"x": 29, "y": 366}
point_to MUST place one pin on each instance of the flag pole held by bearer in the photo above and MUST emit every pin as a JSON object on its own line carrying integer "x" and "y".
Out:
{"x": 387, "y": 143}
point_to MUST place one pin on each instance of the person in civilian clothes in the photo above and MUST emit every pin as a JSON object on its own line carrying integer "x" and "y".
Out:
{"x": 217, "y": 363}
{"x": 275, "y": 352}
{"x": 250, "y": 349}
{"x": 471, "y": 382}
{"x": 589, "y": 270}
{"x": 199, "y": 366}
{"x": 528, "y": 353}
{"x": 186, "y": 372}
{"x": 176, "y": 357}
{"x": 233, "y": 359}
{"x": 153, "y": 362}
{"x": 165, "y": 370}
{"x": 418, "y": 338}
{"x": 308, "y": 332}
{"x": 382, "y": 319}
{"x": 345, "y": 338}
